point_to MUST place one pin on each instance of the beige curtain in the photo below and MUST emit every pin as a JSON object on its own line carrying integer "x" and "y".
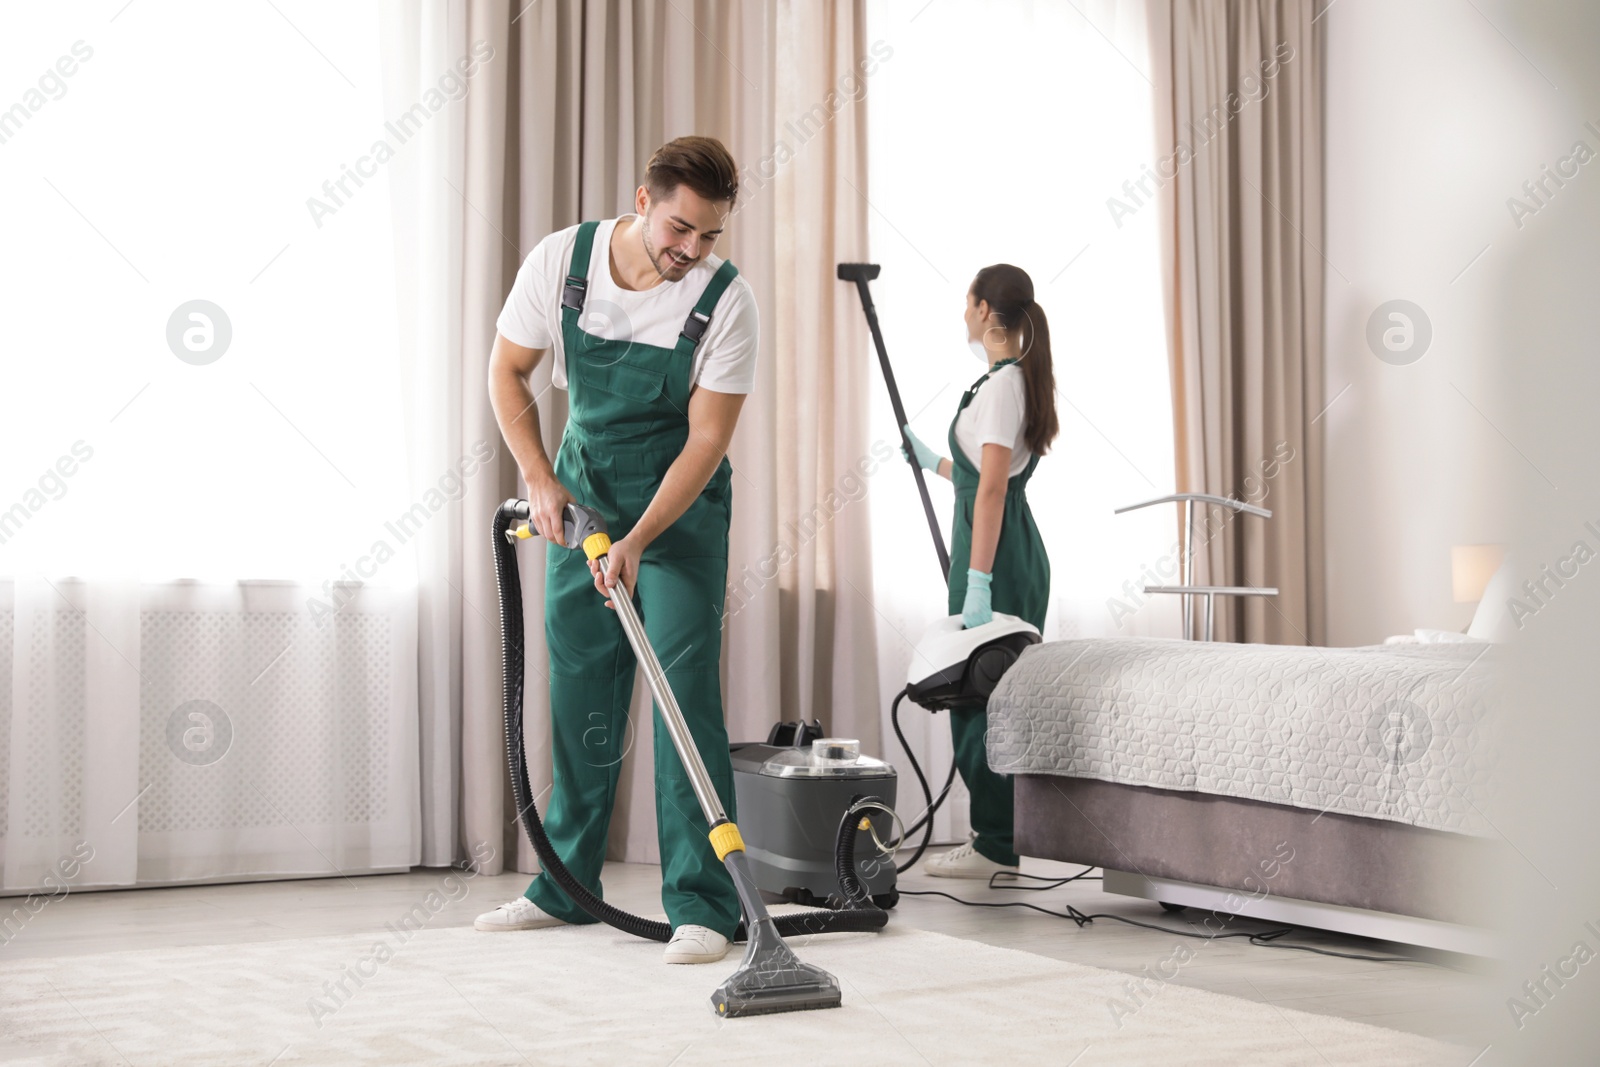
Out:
{"x": 1239, "y": 160}
{"x": 818, "y": 624}
{"x": 557, "y": 129}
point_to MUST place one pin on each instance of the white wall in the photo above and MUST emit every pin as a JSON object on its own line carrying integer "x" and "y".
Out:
{"x": 1438, "y": 112}
{"x": 1434, "y": 119}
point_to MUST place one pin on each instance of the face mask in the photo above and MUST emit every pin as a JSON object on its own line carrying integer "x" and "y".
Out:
{"x": 979, "y": 351}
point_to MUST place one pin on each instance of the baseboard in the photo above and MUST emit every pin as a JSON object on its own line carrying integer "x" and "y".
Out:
{"x": 1382, "y": 926}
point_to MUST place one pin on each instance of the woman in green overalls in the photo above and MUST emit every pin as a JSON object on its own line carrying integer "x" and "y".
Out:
{"x": 1005, "y": 422}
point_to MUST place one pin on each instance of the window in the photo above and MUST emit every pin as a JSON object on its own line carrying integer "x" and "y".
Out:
{"x": 1000, "y": 134}
{"x": 199, "y": 374}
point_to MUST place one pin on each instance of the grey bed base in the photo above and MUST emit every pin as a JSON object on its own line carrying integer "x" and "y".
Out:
{"x": 1369, "y": 877}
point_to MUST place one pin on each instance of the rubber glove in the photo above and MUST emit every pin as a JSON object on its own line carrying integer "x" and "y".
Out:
{"x": 927, "y": 458}
{"x": 976, "y": 611}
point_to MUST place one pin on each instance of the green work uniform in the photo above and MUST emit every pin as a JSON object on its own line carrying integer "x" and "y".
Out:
{"x": 1021, "y": 587}
{"x": 627, "y": 422}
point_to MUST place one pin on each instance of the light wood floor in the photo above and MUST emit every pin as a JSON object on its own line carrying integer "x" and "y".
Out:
{"x": 1421, "y": 998}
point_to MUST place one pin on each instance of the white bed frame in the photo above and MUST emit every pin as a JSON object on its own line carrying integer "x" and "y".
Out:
{"x": 1382, "y": 926}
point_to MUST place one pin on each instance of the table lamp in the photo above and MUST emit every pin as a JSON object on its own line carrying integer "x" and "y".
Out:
{"x": 1471, "y": 567}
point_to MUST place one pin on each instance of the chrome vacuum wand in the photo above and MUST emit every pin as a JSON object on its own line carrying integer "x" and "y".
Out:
{"x": 771, "y": 978}
{"x": 671, "y": 713}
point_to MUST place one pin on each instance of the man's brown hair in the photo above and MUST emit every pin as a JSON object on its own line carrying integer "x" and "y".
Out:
{"x": 701, "y": 163}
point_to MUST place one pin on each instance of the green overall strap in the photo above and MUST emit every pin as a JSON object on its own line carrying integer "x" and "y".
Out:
{"x": 963, "y": 474}
{"x": 1017, "y": 482}
{"x": 577, "y": 283}
{"x": 695, "y": 326}
{"x": 996, "y": 365}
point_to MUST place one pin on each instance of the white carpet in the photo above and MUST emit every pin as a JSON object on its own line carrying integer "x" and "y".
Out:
{"x": 590, "y": 995}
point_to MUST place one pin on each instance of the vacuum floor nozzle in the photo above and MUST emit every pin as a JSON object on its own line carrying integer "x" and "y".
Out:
{"x": 771, "y": 977}
{"x": 849, "y": 272}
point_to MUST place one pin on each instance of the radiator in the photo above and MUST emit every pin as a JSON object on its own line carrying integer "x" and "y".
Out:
{"x": 267, "y": 744}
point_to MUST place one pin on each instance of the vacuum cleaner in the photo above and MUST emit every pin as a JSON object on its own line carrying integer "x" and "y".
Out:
{"x": 770, "y": 978}
{"x": 792, "y": 791}
{"x": 795, "y": 788}
{"x": 956, "y": 667}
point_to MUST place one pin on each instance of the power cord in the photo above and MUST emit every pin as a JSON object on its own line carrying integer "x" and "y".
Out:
{"x": 1261, "y": 938}
{"x": 925, "y": 820}
{"x": 1051, "y": 883}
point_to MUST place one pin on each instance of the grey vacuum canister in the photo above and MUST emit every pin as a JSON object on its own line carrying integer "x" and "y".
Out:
{"x": 790, "y": 802}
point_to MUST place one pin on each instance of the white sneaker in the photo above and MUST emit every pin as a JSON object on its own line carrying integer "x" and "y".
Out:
{"x": 964, "y": 861}
{"x": 696, "y": 944}
{"x": 519, "y": 914}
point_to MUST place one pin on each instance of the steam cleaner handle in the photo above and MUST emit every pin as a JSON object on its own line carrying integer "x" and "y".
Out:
{"x": 580, "y": 525}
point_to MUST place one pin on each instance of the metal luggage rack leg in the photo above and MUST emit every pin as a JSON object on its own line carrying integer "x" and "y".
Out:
{"x": 1185, "y": 590}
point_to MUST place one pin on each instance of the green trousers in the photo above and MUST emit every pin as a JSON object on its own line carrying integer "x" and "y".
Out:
{"x": 591, "y": 683}
{"x": 1021, "y": 587}
{"x": 993, "y": 805}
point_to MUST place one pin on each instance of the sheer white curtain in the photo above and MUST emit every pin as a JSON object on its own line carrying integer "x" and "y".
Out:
{"x": 207, "y": 625}
{"x": 1016, "y": 161}
{"x": 422, "y": 43}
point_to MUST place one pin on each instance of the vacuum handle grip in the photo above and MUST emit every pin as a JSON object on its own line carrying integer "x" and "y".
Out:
{"x": 580, "y": 525}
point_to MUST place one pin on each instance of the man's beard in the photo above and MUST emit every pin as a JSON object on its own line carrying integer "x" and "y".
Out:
{"x": 665, "y": 263}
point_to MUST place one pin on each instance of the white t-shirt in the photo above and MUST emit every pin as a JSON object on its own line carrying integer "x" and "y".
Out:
{"x": 998, "y": 415}
{"x": 725, "y": 360}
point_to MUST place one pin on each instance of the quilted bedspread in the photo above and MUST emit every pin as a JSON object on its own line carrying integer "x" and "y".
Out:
{"x": 1396, "y": 732}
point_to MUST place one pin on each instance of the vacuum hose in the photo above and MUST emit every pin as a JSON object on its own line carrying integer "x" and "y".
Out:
{"x": 859, "y": 916}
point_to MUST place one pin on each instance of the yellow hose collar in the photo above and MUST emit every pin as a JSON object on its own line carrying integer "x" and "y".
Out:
{"x": 725, "y": 839}
{"x": 597, "y": 545}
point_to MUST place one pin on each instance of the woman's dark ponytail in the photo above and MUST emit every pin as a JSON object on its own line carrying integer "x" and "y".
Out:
{"x": 1009, "y": 292}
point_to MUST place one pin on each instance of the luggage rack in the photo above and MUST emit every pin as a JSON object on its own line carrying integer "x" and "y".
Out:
{"x": 1184, "y": 590}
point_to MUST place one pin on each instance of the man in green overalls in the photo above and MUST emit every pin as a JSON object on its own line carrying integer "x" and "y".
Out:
{"x": 655, "y": 340}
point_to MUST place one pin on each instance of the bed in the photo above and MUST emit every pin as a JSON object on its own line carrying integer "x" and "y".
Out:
{"x": 1332, "y": 787}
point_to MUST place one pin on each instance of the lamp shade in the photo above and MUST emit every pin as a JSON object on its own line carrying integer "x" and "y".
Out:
{"x": 1471, "y": 567}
